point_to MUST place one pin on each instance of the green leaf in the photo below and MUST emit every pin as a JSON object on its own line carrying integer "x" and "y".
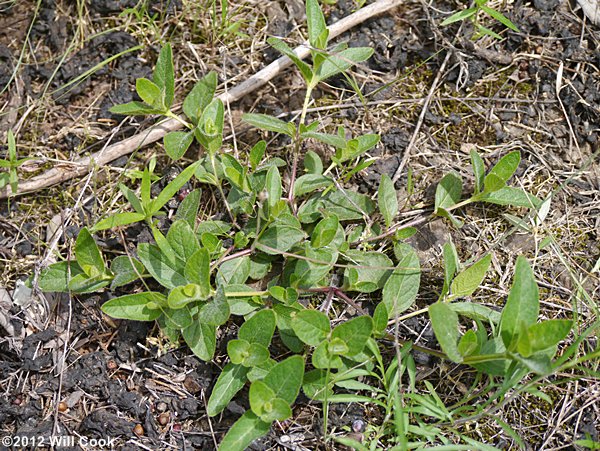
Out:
{"x": 542, "y": 336}
{"x": 453, "y": 219}
{"x": 200, "y": 96}
{"x": 132, "y": 199}
{"x": 538, "y": 363}
{"x": 149, "y": 93}
{"x": 279, "y": 238}
{"x": 179, "y": 297}
{"x": 243, "y": 432}
{"x": 371, "y": 273}
{"x": 234, "y": 271}
{"x": 260, "y": 394}
{"x": 282, "y": 47}
{"x": 304, "y": 273}
{"x": 325, "y": 231}
{"x": 445, "y": 325}
{"x": 183, "y": 240}
{"x": 56, "y": 276}
{"x": 84, "y": 284}
{"x": 380, "y": 320}
{"x": 308, "y": 183}
{"x": 177, "y": 143}
{"x": 400, "y": 290}
{"x": 177, "y": 319}
{"x": 476, "y": 311}
{"x": 356, "y": 147}
{"x": 346, "y": 205}
{"x": 354, "y": 333}
{"x": 264, "y": 403}
{"x": 323, "y": 358}
{"x": 317, "y": 27}
{"x": 197, "y": 270}
{"x": 188, "y": 208}
{"x": 451, "y": 264}
{"x": 171, "y": 189}
{"x": 167, "y": 273}
{"x": 134, "y": 306}
{"x": 210, "y": 126}
{"x": 469, "y": 280}
{"x": 247, "y": 354}
{"x": 257, "y": 153}
{"x": 259, "y": 328}
{"x": 285, "y": 378}
{"x": 313, "y": 163}
{"x": 460, "y": 15}
{"x": 502, "y": 172}
{"x": 522, "y": 306}
{"x": 468, "y": 344}
{"x": 269, "y": 123}
{"x": 315, "y": 385}
{"x": 164, "y": 75}
{"x": 126, "y": 269}
{"x": 118, "y": 219}
{"x": 201, "y": 338}
{"x": 88, "y": 254}
{"x": 387, "y": 200}
{"x": 230, "y": 381}
{"x": 483, "y": 31}
{"x": 215, "y": 311}
{"x": 134, "y": 109}
{"x": 493, "y": 183}
{"x": 332, "y": 140}
{"x": 342, "y": 61}
{"x": 500, "y": 17}
{"x": 311, "y": 326}
{"x": 273, "y": 186}
{"x": 448, "y": 191}
{"x": 478, "y": 171}
{"x": 511, "y": 196}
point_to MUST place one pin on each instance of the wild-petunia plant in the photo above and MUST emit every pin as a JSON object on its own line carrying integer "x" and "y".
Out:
{"x": 308, "y": 238}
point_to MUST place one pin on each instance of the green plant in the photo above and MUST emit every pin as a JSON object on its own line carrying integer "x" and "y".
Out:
{"x": 318, "y": 239}
{"x": 472, "y": 14}
{"x": 11, "y": 177}
{"x": 491, "y": 188}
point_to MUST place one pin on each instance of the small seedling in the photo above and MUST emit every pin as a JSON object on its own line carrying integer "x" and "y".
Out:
{"x": 472, "y": 14}
{"x": 11, "y": 177}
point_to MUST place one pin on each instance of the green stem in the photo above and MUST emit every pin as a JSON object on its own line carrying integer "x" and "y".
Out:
{"x": 173, "y": 116}
{"x": 297, "y": 142}
{"x": 220, "y": 187}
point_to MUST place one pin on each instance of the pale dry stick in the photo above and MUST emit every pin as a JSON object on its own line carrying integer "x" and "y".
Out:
{"x": 158, "y": 131}
{"x": 426, "y": 103}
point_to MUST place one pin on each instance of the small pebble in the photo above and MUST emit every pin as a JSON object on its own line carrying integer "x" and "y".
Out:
{"x": 112, "y": 365}
{"x": 138, "y": 430}
{"x": 163, "y": 418}
{"x": 161, "y": 406}
{"x": 358, "y": 426}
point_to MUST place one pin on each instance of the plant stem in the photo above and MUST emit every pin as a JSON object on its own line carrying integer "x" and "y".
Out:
{"x": 297, "y": 142}
{"x": 173, "y": 116}
{"x": 220, "y": 187}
